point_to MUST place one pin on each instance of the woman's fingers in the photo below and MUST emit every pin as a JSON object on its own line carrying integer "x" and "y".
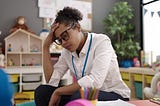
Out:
{"x": 54, "y": 26}
{"x": 51, "y": 104}
{"x": 50, "y": 38}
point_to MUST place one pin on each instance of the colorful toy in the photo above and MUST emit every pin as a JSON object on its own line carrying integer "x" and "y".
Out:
{"x": 10, "y": 62}
{"x": 154, "y": 90}
{"x": 1, "y": 58}
{"x": 20, "y": 23}
{"x": 79, "y": 102}
{"x": 6, "y": 90}
{"x": 9, "y": 48}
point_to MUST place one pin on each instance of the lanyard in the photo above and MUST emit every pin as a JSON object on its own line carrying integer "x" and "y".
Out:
{"x": 86, "y": 59}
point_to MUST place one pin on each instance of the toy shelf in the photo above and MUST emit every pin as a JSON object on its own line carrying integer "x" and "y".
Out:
{"x": 137, "y": 78}
{"x": 23, "y": 49}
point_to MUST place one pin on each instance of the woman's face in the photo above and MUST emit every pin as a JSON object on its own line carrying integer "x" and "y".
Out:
{"x": 70, "y": 38}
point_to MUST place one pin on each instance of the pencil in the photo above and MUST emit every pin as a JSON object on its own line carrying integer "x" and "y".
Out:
{"x": 97, "y": 93}
{"x": 90, "y": 94}
{"x": 93, "y": 94}
{"x": 86, "y": 93}
{"x": 82, "y": 92}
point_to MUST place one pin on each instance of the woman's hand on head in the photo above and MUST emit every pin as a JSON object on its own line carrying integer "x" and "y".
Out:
{"x": 49, "y": 40}
{"x": 55, "y": 99}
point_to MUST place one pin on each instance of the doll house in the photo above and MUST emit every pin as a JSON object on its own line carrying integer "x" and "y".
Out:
{"x": 23, "y": 49}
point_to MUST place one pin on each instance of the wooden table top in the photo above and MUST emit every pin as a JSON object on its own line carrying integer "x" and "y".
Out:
{"x": 143, "y": 103}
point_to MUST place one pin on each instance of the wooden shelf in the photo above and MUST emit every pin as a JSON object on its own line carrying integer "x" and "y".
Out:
{"x": 139, "y": 75}
{"x": 24, "y": 59}
{"x": 23, "y": 49}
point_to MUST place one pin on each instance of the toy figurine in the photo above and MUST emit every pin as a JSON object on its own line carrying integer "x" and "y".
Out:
{"x": 1, "y": 58}
{"x": 136, "y": 62}
{"x": 20, "y": 24}
{"x": 10, "y": 62}
{"x": 9, "y": 48}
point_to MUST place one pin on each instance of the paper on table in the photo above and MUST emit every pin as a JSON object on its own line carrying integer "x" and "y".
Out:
{"x": 114, "y": 103}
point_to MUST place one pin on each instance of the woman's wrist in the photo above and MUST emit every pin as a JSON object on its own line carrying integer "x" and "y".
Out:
{"x": 58, "y": 92}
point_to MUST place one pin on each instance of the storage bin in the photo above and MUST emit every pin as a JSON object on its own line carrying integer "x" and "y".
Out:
{"x": 138, "y": 77}
{"x": 148, "y": 78}
{"x": 30, "y": 94}
{"x": 29, "y": 103}
{"x": 14, "y": 78}
{"x": 15, "y": 87}
{"x": 21, "y": 97}
{"x": 138, "y": 89}
{"x": 127, "y": 82}
{"x": 32, "y": 77}
{"x": 125, "y": 75}
{"x": 30, "y": 86}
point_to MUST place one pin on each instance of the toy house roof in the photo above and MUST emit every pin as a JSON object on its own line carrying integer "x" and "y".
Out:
{"x": 23, "y": 31}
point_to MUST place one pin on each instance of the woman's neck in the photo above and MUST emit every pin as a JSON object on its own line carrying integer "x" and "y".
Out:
{"x": 83, "y": 40}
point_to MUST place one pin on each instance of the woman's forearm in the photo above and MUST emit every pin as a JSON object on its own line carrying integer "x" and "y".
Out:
{"x": 68, "y": 90}
{"x": 47, "y": 64}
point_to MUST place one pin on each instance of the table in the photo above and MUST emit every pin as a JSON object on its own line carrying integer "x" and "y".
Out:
{"x": 127, "y": 103}
{"x": 143, "y": 103}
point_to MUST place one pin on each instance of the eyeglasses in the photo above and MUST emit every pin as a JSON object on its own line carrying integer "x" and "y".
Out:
{"x": 64, "y": 36}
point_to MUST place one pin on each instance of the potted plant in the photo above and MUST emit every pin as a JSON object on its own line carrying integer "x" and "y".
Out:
{"x": 118, "y": 27}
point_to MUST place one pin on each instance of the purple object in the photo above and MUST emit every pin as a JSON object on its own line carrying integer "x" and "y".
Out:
{"x": 79, "y": 102}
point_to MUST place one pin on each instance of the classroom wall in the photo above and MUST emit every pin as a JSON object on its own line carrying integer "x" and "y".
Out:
{"x": 10, "y": 9}
{"x": 102, "y": 7}
{"x": 100, "y": 10}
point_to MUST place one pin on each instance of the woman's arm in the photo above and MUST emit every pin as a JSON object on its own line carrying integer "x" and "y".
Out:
{"x": 69, "y": 89}
{"x": 66, "y": 90}
{"x": 47, "y": 64}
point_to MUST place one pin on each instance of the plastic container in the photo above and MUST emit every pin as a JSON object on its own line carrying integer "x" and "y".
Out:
{"x": 127, "y": 82}
{"x": 125, "y": 75}
{"x": 29, "y": 103}
{"x": 15, "y": 87}
{"x": 30, "y": 94}
{"x": 148, "y": 78}
{"x": 14, "y": 78}
{"x": 80, "y": 102}
{"x": 138, "y": 77}
{"x": 32, "y": 77}
{"x": 21, "y": 97}
{"x": 30, "y": 86}
{"x": 138, "y": 89}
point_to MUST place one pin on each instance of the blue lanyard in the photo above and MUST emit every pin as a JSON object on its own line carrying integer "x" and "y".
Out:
{"x": 85, "y": 62}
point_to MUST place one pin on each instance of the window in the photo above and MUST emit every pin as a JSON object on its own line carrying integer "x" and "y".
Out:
{"x": 151, "y": 29}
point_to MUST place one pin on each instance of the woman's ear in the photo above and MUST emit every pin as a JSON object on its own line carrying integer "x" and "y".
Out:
{"x": 78, "y": 26}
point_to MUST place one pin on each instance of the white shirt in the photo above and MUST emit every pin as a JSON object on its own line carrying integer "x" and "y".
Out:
{"x": 102, "y": 70}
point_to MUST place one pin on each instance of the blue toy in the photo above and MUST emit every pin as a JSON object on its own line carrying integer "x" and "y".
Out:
{"x": 6, "y": 91}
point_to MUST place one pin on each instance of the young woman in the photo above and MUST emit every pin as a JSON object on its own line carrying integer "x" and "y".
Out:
{"x": 89, "y": 56}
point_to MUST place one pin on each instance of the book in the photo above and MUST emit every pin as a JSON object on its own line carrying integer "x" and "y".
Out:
{"x": 155, "y": 100}
{"x": 118, "y": 102}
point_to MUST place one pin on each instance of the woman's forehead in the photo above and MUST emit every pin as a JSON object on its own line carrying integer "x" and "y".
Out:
{"x": 60, "y": 29}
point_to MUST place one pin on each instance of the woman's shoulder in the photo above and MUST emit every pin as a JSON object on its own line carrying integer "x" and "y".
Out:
{"x": 65, "y": 52}
{"x": 100, "y": 36}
